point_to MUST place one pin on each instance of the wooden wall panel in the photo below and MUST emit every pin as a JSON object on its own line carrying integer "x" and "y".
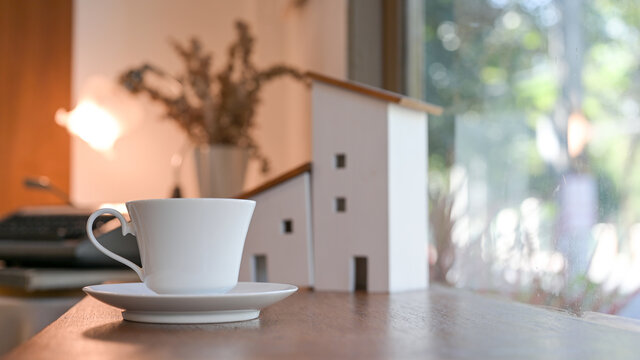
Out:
{"x": 35, "y": 80}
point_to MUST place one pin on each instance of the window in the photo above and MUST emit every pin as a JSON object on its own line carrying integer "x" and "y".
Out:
{"x": 533, "y": 168}
{"x": 340, "y": 161}
{"x": 287, "y": 226}
{"x": 340, "y": 204}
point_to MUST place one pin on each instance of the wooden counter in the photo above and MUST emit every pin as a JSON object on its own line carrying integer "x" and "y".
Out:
{"x": 441, "y": 323}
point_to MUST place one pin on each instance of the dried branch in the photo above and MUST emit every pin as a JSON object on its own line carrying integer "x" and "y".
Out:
{"x": 214, "y": 108}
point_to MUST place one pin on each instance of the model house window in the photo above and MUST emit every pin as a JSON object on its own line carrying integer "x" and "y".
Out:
{"x": 259, "y": 268}
{"x": 341, "y": 204}
{"x": 287, "y": 226}
{"x": 340, "y": 161}
{"x": 360, "y": 273}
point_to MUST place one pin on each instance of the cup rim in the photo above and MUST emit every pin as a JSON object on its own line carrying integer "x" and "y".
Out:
{"x": 192, "y": 200}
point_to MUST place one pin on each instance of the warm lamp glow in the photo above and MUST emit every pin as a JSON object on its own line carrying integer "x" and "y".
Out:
{"x": 578, "y": 133}
{"x": 92, "y": 123}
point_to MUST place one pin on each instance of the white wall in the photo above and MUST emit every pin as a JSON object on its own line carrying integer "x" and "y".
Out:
{"x": 356, "y": 125}
{"x": 111, "y": 36}
{"x": 289, "y": 256}
{"x": 408, "y": 214}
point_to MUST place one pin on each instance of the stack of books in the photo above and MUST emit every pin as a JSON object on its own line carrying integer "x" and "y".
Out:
{"x": 46, "y": 248}
{"x": 48, "y": 279}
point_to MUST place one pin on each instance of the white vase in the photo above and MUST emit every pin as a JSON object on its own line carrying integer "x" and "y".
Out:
{"x": 221, "y": 170}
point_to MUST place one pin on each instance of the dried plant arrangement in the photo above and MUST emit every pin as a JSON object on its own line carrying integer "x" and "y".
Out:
{"x": 212, "y": 107}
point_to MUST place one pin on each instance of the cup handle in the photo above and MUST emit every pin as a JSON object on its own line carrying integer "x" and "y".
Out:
{"x": 127, "y": 228}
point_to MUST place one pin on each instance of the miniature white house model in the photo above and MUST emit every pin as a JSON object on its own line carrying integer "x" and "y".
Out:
{"x": 356, "y": 219}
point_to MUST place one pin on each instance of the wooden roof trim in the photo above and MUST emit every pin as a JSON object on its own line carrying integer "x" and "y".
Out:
{"x": 276, "y": 181}
{"x": 378, "y": 93}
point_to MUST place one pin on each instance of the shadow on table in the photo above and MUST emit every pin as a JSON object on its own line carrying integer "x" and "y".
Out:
{"x": 133, "y": 332}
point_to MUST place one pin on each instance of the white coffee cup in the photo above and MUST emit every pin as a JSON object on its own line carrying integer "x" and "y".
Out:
{"x": 187, "y": 246}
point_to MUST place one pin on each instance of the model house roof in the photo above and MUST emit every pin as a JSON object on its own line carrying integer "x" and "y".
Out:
{"x": 378, "y": 93}
{"x": 306, "y": 167}
{"x": 351, "y": 86}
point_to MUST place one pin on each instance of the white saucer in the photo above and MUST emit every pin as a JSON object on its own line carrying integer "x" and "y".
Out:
{"x": 140, "y": 304}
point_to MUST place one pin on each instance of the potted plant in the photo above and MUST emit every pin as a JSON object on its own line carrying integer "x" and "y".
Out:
{"x": 215, "y": 109}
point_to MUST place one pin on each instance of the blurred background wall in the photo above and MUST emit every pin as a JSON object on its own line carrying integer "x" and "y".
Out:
{"x": 112, "y": 36}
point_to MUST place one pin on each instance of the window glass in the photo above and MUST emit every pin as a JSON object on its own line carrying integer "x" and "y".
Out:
{"x": 534, "y": 167}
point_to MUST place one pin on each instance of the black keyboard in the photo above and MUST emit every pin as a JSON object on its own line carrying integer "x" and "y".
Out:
{"x": 47, "y": 227}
